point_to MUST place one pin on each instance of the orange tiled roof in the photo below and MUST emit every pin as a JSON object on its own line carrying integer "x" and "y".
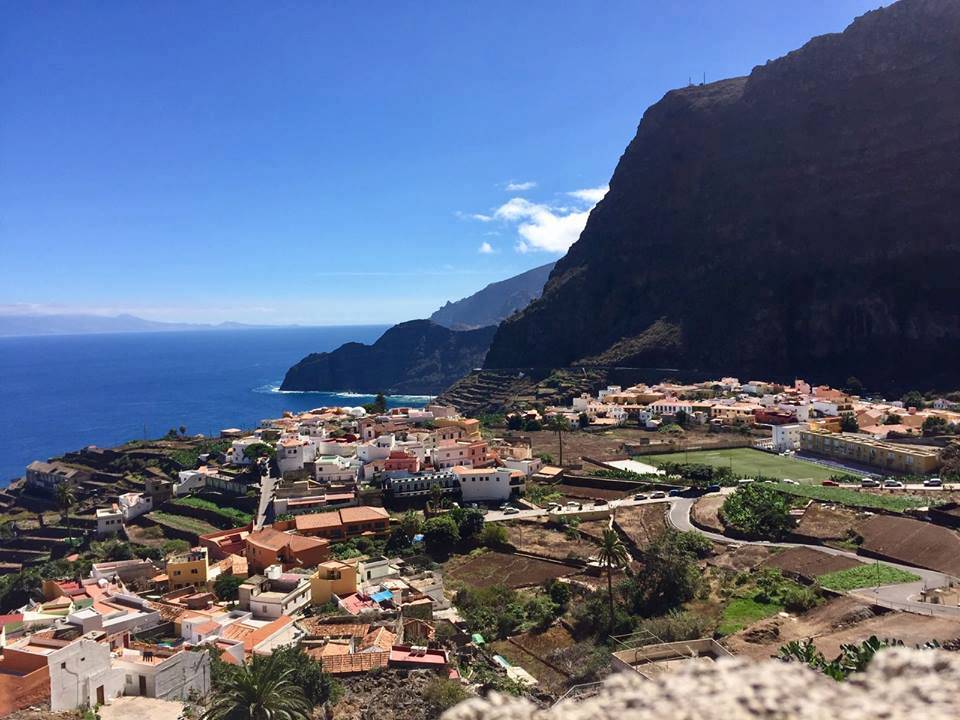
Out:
{"x": 317, "y": 520}
{"x": 363, "y": 514}
{"x": 380, "y": 638}
{"x": 261, "y": 634}
{"x": 355, "y": 663}
{"x": 314, "y": 627}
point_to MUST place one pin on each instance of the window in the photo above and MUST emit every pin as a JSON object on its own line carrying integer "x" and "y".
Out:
{"x": 63, "y": 666}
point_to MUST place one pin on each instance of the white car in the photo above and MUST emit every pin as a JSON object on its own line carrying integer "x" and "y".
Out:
{"x": 511, "y": 511}
{"x": 659, "y": 494}
{"x": 788, "y": 481}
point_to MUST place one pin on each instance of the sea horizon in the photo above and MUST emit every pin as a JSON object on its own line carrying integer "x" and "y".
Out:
{"x": 60, "y": 393}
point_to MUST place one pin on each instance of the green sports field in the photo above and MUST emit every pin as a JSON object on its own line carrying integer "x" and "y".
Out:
{"x": 748, "y": 462}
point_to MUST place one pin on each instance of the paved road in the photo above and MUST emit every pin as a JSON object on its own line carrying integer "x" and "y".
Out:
{"x": 900, "y": 596}
{"x": 267, "y": 485}
{"x": 897, "y": 596}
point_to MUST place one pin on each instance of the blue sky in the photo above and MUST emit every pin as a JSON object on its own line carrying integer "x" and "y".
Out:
{"x": 330, "y": 162}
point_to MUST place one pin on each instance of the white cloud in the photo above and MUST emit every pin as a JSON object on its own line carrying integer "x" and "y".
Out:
{"x": 542, "y": 227}
{"x": 590, "y": 195}
{"x": 486, "y": 249}
{"x": 520, "y": 186}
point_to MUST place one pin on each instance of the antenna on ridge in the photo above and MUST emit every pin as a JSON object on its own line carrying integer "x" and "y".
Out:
{"x": 704, "y": 78}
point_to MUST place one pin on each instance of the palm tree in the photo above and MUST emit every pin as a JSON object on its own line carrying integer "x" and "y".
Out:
{"x": 259, "y": 690}
{"x": 66, "y": 497}
{"x": 612, "y": 553}
{"x": 558, "y": 424}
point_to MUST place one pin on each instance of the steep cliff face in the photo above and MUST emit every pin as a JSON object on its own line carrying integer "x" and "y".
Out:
{"x": 802, "y": 220}
{"x": 416, "y": 357}
{"x": 496, "y": 302}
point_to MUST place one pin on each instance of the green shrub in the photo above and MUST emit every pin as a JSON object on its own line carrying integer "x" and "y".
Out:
{"x": 758, "y": 510}
{"x": 441, "y": 694}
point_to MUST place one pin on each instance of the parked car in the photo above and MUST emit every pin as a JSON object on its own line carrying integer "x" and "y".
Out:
{"x": 659, "y": 494}
{"x": 639, "y": 496}
{"x": 511, "y": 511}
{"x": 933, "y": 482}
{"x": 600, "y": 502}
{"x": 676, "y": 492}
{"x": 830, "y": 483}
{"x": 712, "y": 488}
{"x": 893, "y": 484}
{"x": 869, "y": 482}
{"x": 788, "y": 481}
{"x": 575, "y": 505}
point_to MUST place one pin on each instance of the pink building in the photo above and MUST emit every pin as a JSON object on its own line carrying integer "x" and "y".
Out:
{"x": 399, "y": 460}
{"x": 466, "y": 454}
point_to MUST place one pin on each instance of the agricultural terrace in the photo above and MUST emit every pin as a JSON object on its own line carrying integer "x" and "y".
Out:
{"x": 865, "y": 575}
{"x": 485, "y": 569}
{"x": 747, "y": 462}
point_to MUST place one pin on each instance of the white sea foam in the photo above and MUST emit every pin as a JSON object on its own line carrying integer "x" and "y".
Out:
{"x": 346, "y": 395}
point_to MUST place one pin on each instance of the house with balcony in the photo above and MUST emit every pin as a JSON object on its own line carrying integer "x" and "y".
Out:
{"x": 275, "y": 593}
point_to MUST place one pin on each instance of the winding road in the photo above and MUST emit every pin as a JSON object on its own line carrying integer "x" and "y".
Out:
{"x": 897, "y": 597}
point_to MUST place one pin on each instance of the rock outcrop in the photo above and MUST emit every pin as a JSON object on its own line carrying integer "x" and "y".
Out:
{"x": 898, "y": 683}
{"x": 417, "y": 357}
{"x": 803, "y": 220}
{"x": 496, "y": 302}
{"x": 421, "y": 357}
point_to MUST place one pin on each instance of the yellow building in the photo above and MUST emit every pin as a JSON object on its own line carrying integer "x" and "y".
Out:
{"x": 865, "y": 450}
{"x": 332, "y": 578}
{"x": 733, "y": 413}
{"x": 470, "y": 426}
{"x": 189, "y": 568}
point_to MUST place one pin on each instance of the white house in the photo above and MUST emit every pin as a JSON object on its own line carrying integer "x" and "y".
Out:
{"x": 336, "y": 469}
{"x": 109, "y": 521}
{"x": 528, "y": 466}
{"x": 580, "y": 404}
{"x": 134, "y": 505}
{"x": 292, "y": 453}
{"x": 786, "y": 437}
{"x": 276, "y": 594}
{"x": 611, "y": 390}
{"x": 164, "y": 673}
{"x": 82, "y": 674}
{"x": 377, "y": 449}
{"x": 489, "y": 484}
{"x": 800, "y": 410}
{"x": 235, "y": 453}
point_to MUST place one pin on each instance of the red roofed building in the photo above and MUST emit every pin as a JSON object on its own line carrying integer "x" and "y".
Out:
{"x": 412, "y": 656}
{"x": 346, "y": 523}
{"x": 271, "y": 547}
{"x": 222, "y": 543}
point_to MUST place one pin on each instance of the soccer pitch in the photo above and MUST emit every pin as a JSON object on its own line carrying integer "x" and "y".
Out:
{"x": 748, "y": 462}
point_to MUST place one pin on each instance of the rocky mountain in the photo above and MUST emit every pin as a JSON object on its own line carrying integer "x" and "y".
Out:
{"x": 415, "y": 357}
{"x": 496, "y": 302}
{"x": 421, "y": 357}
{"x": 80, "y": 324}
{"x": 803, "y": 220}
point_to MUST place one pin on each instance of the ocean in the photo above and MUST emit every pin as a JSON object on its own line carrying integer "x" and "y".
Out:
{"x": 61, "y": 393}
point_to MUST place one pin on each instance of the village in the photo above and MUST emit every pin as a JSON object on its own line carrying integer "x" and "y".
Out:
{"x": 418, "y": 550}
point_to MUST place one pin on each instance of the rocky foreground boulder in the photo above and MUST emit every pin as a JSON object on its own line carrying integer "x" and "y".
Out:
{"x": 899, "y": 683}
